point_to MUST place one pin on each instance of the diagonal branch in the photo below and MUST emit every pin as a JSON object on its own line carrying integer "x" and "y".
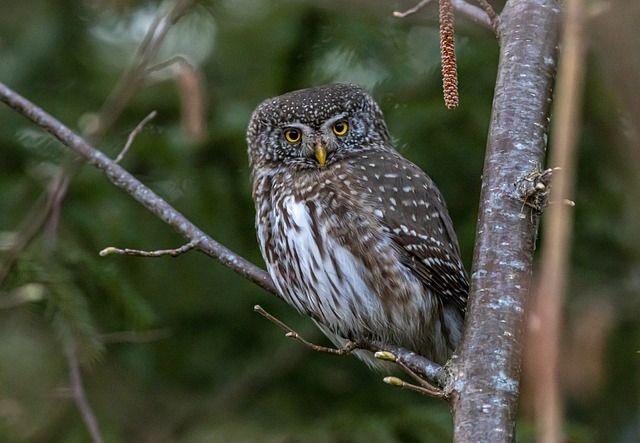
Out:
{"x": 149, "y": 199}
{"x": 45, "y": 212}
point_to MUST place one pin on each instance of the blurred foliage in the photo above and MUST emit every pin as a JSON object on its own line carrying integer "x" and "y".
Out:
{"x": 213, "y": 370}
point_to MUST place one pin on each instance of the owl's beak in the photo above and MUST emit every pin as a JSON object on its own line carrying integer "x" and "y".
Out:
{"x": 321, "y": 153}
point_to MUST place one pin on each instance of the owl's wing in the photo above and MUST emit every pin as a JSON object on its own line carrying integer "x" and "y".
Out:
{"x": 416, "y": 216}
{"x": 437, "y": 267}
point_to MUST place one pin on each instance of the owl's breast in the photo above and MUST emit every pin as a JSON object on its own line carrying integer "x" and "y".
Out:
{"x": 331, "y": 258}
{"x": 320, "y": 275}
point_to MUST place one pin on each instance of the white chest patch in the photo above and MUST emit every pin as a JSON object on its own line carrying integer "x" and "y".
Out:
{"x": 329, "y": 282}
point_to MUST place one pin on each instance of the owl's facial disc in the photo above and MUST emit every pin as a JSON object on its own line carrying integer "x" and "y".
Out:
{"x": 302, "y": 145}
{"x": 309, "y": 144}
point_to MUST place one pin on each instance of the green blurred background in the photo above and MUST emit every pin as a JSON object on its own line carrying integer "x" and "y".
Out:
{"x": 197, "y": 364}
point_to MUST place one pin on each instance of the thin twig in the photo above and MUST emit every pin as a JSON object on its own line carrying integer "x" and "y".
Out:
{"x": 347, "y": 349}
{"x": 464, "y": 9}
{"x": 491, "y": 13}
{"x": 388, "y": 356}
{"x": 141, "y": 60}
{"x": 413, "y": 10}
{"x": 179, "y": 60}
{"x": 159, "y": 253}
{"x": 271, "y": 318}
{"x": 418, "y": 364}
{"x": 79, "y": 397}
{"x": 430, "y": 391}
{"x": 350, "y": 346}
{"x": 133, "y": 134}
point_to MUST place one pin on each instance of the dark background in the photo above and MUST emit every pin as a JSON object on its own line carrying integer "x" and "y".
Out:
{"x": 206, "y": 367}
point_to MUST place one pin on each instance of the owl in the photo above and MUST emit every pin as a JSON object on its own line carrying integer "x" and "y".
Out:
{"x": 353, "y": 234}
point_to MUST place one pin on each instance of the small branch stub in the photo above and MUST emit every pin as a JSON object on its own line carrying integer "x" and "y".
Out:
{"x": 385, "y": 355}
{"x": 424, "y": 390}
{"x": 159, "y": 253}
{"x": 533, "y": 189}
{"x": 394, "y": 381}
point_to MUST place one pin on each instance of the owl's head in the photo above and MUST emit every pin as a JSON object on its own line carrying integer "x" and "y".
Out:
{"x": 312, "y": 128}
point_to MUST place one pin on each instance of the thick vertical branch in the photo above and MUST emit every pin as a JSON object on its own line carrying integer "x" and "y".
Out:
{"x": 485, "y": 375}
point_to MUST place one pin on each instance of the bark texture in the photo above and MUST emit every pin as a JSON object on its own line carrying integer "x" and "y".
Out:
{"x": 485, "y": 375}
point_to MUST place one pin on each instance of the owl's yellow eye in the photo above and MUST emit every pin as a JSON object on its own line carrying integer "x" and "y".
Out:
{"x": 292, "y": 135}
{"x": 340, "y": 127}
